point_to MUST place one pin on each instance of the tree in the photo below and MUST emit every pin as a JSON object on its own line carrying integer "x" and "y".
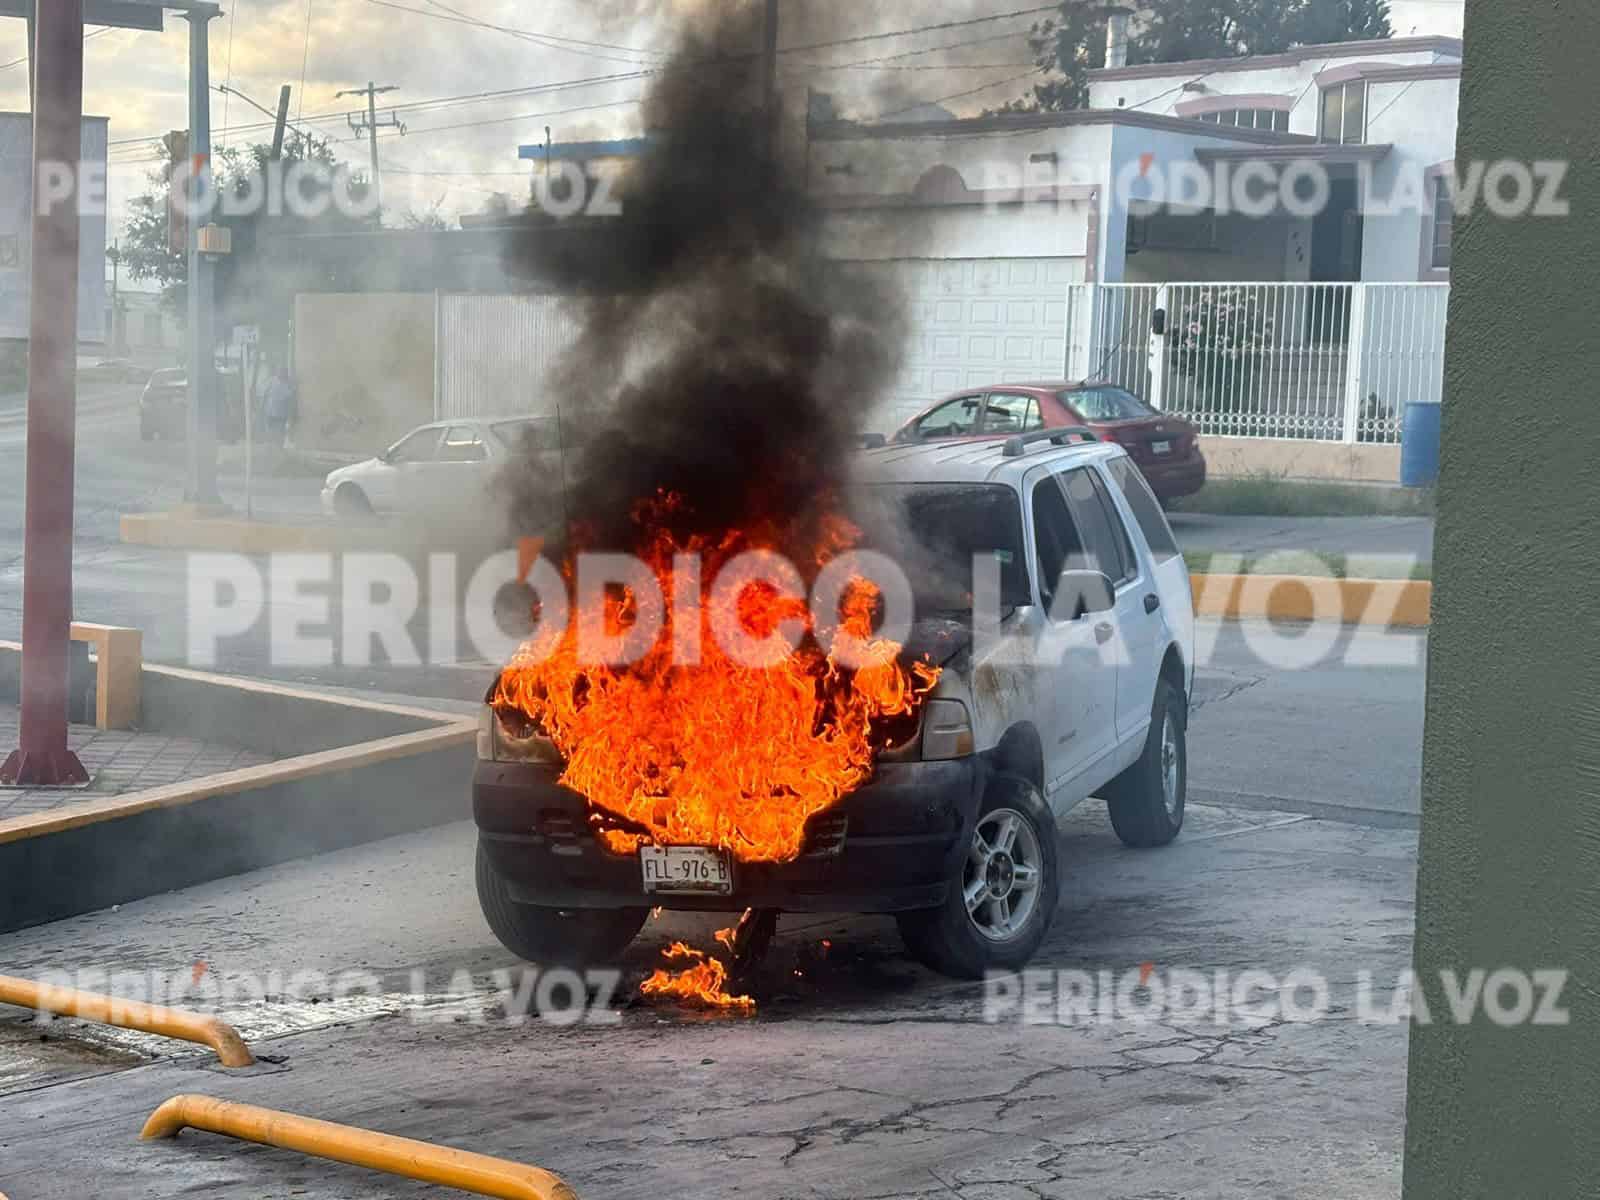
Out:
{"x": 250, "y": 289}
{"x": 146, "y": 248}
{"x": 1074, "y": 43}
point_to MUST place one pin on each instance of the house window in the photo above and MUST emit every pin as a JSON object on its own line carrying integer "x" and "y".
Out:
{"x": 1344, "y": 113}
{"x": 1444, "y": 222}
{"x": 1250, "y": 118}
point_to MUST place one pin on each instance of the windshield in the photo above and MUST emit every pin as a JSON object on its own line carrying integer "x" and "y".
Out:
{"x": 1106, "y": 404}
{"x": 935, "y": 532}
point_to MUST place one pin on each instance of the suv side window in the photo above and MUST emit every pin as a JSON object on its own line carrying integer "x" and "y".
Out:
{"x": 1056, "y": 536}
{"x": 1146, "y": 510}
{"x": 959, "y": 418}
{"x": 1105, "y": 538}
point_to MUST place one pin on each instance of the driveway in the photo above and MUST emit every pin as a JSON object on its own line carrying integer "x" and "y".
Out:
{"x": 862, "y": 1075}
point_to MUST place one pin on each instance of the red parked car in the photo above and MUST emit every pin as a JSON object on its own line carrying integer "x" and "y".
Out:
{"x": 1166, "y": 449}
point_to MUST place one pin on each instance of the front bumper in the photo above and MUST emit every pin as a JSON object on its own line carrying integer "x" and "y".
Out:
{"x": 901, "y": 840}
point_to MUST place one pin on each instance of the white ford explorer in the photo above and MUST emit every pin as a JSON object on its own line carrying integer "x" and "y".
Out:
{"x": 1048, "y": 587}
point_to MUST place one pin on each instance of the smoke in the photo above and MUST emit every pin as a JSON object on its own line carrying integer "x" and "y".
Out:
{"x": 720, "y": 359}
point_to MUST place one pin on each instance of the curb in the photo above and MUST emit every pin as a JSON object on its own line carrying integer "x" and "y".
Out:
{"x": 1370, "y": 603}
{"x": 179, "y": 531}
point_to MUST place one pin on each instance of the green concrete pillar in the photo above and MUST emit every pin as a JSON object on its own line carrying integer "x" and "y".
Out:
{"x": 1510, "y": 869}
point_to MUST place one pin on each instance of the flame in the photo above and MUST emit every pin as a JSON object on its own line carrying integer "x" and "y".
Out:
{"x": 717, "y": 752}
{"x": 704, "y": 981}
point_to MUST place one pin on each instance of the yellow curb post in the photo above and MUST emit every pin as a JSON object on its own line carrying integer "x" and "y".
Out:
{"x": 129, "y": 1014}
{"x": 1372, "y": 603}
{"x": 384, "y": 1152}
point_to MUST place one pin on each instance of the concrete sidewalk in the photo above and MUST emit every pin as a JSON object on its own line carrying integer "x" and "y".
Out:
{"x": 862, "y": 1076}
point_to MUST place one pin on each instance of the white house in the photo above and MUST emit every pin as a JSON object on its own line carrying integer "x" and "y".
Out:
{"x": 1313, "y": 170}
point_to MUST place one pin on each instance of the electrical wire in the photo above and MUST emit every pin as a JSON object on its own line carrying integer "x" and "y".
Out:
{"x": 900, "y": 112}
{"x": 305, "y": 58}
{"x": 88, "y": 37}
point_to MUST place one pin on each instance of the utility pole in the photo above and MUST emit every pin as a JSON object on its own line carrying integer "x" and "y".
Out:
{"x": 774, "y": 132}
{"x": 283, "y": 120}
{"x": 42, "y": 757}
{"x": 201, "y": 488}
{"x": 369, "y": 126}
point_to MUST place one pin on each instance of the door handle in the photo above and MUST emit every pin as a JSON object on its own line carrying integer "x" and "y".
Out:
{"x": 1103, "y": 633}
{"x": 1152, "y": 602}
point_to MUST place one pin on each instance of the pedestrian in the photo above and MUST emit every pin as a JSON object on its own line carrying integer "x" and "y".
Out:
{"x": 280, "y": 406}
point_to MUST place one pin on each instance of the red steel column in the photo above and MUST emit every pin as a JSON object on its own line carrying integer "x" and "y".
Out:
{"x": 43, "y": 759}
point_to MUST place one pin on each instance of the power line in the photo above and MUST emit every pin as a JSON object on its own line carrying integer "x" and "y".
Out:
{"x": 899, "y": 112}
{"x": 233, "y": 16}
{"x": 527, "y": 34}
{"x": 88, "y": 37}
{"x": 305, "y": 58}
{"x": 341, "y": 113}
{"x": 549, "y": 41}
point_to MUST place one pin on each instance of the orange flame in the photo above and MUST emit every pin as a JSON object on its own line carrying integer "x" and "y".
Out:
{"x": 704, "y": 982}
{"x": 717, "y": 752}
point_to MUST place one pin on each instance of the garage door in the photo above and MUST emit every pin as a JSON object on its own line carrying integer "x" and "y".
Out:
{"x": 975, "y": 321}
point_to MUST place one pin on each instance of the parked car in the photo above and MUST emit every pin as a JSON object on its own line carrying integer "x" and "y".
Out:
{"x": 1165, "y": 448}
{"x": 164, "y": 405}
{"x": 955, "y": 834}
{"x": 442, "y": 468}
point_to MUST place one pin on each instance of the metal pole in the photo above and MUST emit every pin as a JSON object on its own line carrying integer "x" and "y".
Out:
{"x": 372, "y": 142}
{"x": 42, "y": 758}
{"x": 202, "y": 443}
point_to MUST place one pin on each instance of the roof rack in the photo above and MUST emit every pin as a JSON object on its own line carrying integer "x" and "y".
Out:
{"x": 1018, "y": 446}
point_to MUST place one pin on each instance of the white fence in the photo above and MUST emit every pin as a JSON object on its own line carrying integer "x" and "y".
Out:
{"x": 1316, "y": 361}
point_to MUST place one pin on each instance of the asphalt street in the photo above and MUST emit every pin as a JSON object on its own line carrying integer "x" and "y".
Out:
{"x": 861, "y": 1076}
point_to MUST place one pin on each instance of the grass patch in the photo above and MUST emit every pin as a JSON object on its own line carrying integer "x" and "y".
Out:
{"x": 1306, "y": 562}
{"x": 1274, "y": 496}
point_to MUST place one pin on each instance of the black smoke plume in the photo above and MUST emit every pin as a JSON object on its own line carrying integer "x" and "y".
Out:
{"x": 732, "y": 364}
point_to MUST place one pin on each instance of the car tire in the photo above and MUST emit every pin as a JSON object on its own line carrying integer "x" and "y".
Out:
{"x": 554, "y": 936}
{"x": 351, "y": 503}
{"x": 964, "y": 938}
{"x": 1146, "y": 802}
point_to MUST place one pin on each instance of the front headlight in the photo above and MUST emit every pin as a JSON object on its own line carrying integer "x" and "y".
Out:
{"x": 512, "y": 738}
{"x": 946, "y": 731}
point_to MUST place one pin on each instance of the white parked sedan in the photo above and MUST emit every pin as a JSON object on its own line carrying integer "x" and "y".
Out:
{"x": 444, "y": 468}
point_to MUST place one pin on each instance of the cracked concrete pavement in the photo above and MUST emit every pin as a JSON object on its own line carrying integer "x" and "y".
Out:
{"x": 863, "y": 1077}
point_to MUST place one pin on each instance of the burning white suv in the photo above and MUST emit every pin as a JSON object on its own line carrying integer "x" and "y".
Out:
{"x": 1050, "y": 592}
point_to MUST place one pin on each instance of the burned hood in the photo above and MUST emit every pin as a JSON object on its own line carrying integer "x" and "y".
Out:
{"x": 937, "y": 640}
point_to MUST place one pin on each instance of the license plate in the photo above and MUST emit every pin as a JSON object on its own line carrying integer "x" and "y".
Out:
{"x": 1160, "y": 447}
{"x": 686, "y": 870}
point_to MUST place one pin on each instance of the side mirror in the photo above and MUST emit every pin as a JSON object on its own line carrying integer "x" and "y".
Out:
{"x": 1085, "y": 593}
{"x": 1158, "y": 322}
{"x": 873, "y": 441}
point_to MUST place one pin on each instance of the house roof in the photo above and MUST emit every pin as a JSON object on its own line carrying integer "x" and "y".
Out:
{"x": 1289, "y": 58}
{"x": 846, "y": 131}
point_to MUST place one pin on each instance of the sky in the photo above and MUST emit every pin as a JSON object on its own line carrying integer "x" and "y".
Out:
{"x": 461, "y": 145}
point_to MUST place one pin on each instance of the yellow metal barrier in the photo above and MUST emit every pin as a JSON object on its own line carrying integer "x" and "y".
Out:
{"x": 129, "y": 1014}
{"x": 358, "y": 1147}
